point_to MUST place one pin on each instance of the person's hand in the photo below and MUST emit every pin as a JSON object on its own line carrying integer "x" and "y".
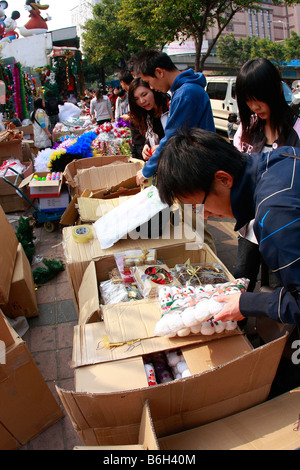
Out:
{"x": 231, "y": 309}
{"x": 140, "y": 178}
{"x": 125, "y": 117}
{"x": 147, "y": 152}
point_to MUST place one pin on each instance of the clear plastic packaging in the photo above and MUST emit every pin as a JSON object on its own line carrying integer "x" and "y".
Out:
{"x": 197, "y": 274}
{"x": 128, "y": 259}
{"x": 150, "y": 278}
{"x": 113, "y": 293}
{"x": 190, "y": 310}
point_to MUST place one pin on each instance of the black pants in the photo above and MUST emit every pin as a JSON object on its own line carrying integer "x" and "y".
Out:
{"x": 102, "y": 121}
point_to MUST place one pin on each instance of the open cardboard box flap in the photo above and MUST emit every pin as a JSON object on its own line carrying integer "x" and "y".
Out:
{"x": 91, "y": 344}
{"x": 91, "y": 209}
{"x": 71, "y": 169}
{"x": 95, "y": 178}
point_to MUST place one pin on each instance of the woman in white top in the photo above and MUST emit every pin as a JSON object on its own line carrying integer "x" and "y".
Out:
{"x": 100, "y": 108}
{"x": 40, "y": 120}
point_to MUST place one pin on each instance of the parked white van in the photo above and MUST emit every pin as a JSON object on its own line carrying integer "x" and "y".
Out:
{"x": 221, "y": 91}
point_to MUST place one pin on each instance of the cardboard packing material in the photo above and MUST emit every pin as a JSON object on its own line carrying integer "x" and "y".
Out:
{"x": 147, "y": 439}
{"x": 95, "y": 178}
{"x": 228, "y": 375}
{"x": 70, "y": 172}
{"x": 272, "y": 425}
{"x": 27, "y": 405}
{"x": 10, "y": 199}
{"x": 87, "y": 211}
{"x": 22, "y": 297}
{"x": 8, "y": 253}
{"x": 79, "y": 255}
{"x": 220, "y": 389}
{"x": 40, "y": 189}
{"x": 11, "y": 149}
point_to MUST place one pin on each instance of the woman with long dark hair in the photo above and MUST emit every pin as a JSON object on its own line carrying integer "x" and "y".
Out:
{"x": 266, "y": 122}
{"x": 148, "y": 113}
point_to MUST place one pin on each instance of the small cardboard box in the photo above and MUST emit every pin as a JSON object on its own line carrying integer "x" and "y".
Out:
{"x": 8, "y": 253}
{"x": 50, "y": 204}
{"x": 97, "y": 173}
{"x": 11, "y": 149}
{"x": 7, "y": 189}
{"x": 28, "y": 407}
{"x": 38, "y": 188}
{"x": 22, "y": 297}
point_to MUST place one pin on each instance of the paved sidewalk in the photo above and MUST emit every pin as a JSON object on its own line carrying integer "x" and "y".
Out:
{"x": 50, "y": 336}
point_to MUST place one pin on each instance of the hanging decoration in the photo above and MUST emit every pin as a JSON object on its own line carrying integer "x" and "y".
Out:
{"x": 19, "y": 92}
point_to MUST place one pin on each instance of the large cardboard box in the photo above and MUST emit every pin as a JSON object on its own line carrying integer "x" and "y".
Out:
{"x": 22, "y": 297}
{"x": 272, "y": 425}
{"x": 27, "y": 405}
{"x": 228, "y": 375}
{"x": 10, "y": 199}
{"x": 8, "y": 253}
{"x": 219, "y": 390}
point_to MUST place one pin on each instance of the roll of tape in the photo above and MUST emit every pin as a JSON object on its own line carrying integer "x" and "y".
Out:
{"x": 82, "y": 233}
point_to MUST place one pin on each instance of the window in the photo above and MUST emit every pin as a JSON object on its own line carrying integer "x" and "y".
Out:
{"x": 216, "y": 90}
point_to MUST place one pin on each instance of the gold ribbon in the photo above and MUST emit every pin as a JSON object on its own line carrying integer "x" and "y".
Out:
{"x": 107, "y": 344}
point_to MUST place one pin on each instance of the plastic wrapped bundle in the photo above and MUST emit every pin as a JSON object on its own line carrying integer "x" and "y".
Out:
{"x": 186, "y": 310}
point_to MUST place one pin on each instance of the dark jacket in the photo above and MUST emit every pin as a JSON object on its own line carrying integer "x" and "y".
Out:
{"x": 269, "y": 192}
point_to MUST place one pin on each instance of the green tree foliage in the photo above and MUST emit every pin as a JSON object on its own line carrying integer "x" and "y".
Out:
{"x": 166, "y": 20}
{"x": 233, "y": 53}
{"x": 107, "y": 41}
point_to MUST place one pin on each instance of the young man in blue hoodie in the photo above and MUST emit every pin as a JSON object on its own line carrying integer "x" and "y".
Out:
{"x": 190, "y": 105}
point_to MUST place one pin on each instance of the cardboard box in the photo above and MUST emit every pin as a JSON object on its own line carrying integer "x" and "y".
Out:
{"x": 40, "y": 189}
{"x": 11, "y": 149}
{"x": 228, "y": 375}
{"x": 14, "y": 203}
{"x": 28, "y": 407}
{"x": 273, "y": 425}
{"x": 173, "y": 247}
{"x": 50, "y": 204}
{"x": 147, "y": 439}
{"x": 7, "y": 189}
{"x": 97, "y": 173}
{"x": 103, "y": 418}
{"x": 8, "y": 253}
{"x": 88, "y": 211}
{"x": 22, "y": 297}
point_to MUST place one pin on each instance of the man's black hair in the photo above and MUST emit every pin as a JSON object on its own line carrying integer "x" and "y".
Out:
{"x": 189, "y": 161}
{"x": 125, "y": 76}
{"x": 149, "y": 60}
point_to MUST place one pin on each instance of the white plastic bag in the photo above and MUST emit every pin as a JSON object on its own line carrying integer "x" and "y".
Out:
{"x": 68, "y": 111}
{"x": 129, "y": 215}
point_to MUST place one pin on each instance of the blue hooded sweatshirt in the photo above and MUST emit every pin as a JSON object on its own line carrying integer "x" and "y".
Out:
{"x": 190, "y": 107}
